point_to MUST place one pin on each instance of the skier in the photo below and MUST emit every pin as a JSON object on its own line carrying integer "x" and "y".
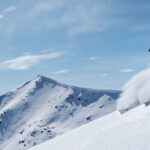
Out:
{"x": 1, "y": 131}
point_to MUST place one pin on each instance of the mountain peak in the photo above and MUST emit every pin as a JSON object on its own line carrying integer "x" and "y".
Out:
{"x": 43, "y": 79}
{"x": 40, "y": 76}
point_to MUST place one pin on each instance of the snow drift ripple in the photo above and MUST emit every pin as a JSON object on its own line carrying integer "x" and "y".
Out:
{"x": 136, "y": 91}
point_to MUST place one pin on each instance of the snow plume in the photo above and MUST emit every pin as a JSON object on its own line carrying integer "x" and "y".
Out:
{"x": 136, "y": 91}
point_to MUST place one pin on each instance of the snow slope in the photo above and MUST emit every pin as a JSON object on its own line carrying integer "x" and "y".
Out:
{"x": 42, "y": 109}
{"x": 130, "y": 131}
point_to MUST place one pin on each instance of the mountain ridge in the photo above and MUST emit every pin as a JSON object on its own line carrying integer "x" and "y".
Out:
{"x": 43, "y": 108}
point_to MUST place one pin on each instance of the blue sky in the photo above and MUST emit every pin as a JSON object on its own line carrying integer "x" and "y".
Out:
{"x": 97, "y": 44}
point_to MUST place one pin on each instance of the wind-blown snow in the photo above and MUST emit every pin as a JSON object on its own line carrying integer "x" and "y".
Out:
{"x": 136, "y": 91}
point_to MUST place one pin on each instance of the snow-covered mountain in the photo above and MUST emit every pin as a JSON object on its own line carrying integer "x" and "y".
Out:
{"x": 130, "y": 131}
{"x": 127, "y": 128}
{"x": 43, "y": 108}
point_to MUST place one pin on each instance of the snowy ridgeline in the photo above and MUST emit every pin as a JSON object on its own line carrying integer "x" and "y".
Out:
{"x": 43, "y": 108}
{"x": 135, "y": 92}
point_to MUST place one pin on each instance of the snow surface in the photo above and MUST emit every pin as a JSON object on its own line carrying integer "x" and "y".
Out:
{"x": 130, "y": 131}
{"x": 42, "y": 109}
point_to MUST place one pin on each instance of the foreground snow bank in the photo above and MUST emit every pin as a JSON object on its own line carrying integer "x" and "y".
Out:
{"x": 136, "y": 91}
{"x": 130, "y": 131}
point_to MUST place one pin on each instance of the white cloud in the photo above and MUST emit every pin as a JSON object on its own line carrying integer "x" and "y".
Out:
{"x": 73, "y": 16}
{"x": 127, "y": 70}
{"x": 61, "y": 71}
{"x": 26, "y": 53}
{"x": 104, "y": 74}
{"x": 47, "y": 50}
{"x": 93, "y": 58}
{"x": 1, "y": 16}
{"x": 7, "y": 10}
{"x": 10, "y": 9}
{"x": 136, "y": 91}
{"x": 27, "y": 61}
{"x": 88, "y": 16}
{"x": 45, "y": 6}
